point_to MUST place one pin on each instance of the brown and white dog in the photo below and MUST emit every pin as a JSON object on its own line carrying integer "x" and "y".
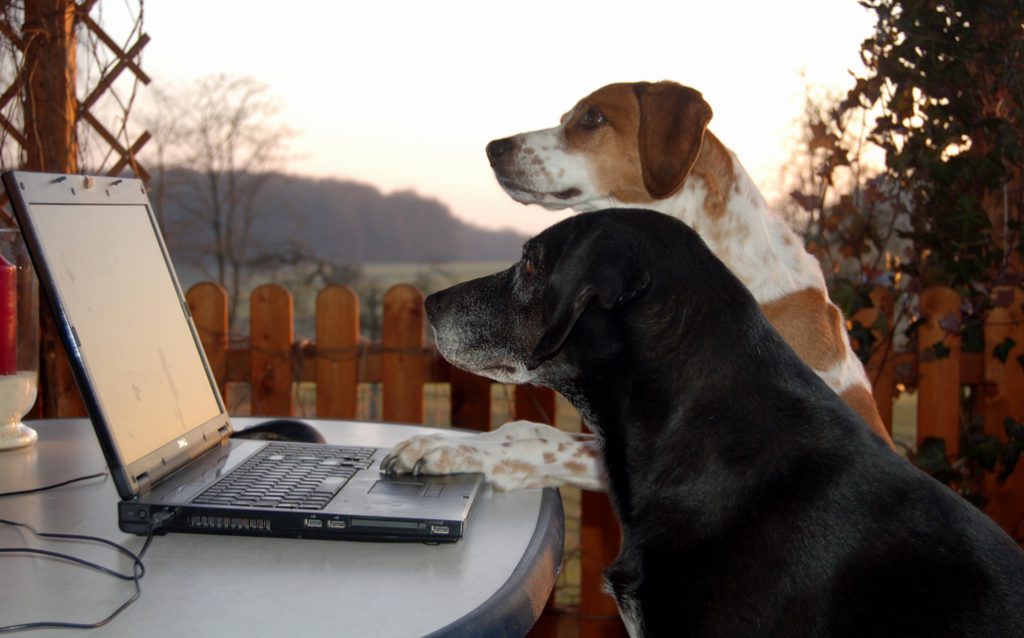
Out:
{"x": 647, "y": 145}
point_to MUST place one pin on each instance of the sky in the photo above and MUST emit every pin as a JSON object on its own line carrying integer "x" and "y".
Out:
{"x": 406, "y": 95}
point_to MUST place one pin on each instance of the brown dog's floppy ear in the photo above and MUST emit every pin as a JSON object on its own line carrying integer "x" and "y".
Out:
{"x": 570, "y": 303}
{"x": 673, "y": 119}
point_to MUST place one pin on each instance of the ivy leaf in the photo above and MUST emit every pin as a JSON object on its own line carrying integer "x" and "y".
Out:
{"x": 940, "y": 350}
{"x": 1014, "y": 430}
{"x": 806, "y": 202}
{"x": 950, "y": 323}
{"x": 862, "y": 340}
{"x": 985, "y": 450}
{"x": 1003, "y": 299}
{"x": 931, "y": 457}
{"x": 1013, "y": 448}
{"x": 1002, "y": 351}
{"x": 820, "y": 136}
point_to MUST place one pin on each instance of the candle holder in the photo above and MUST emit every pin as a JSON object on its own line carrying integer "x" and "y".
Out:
{"x": 19, "y": 340}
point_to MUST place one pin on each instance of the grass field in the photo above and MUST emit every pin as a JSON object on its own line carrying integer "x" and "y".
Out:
{"x": 435, "y": 275}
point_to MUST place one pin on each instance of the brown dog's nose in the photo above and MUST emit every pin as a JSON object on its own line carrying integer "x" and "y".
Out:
{"x": 498, "y": 148}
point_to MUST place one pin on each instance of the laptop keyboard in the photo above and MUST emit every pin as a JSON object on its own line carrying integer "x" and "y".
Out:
{"x": 288, "y": 476}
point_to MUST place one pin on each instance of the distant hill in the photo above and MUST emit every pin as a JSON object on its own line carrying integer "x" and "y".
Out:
{"x": 336, "y": 220}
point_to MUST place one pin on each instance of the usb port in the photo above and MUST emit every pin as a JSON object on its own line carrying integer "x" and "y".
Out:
{"x": 313, "y": 522}
{"x": 440, "y": 530}
{"x": 336, "y": 524}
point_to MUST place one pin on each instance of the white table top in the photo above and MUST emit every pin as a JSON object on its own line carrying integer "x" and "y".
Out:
{"x": 493, "y": 582}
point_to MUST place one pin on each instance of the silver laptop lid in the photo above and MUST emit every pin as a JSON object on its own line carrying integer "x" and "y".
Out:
{"x": 124, "y": 322}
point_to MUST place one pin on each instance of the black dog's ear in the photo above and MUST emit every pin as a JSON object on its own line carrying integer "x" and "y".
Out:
{"x": 605, "y": 285}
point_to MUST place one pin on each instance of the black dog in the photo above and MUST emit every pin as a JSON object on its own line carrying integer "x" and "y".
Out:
{"x": 753, "y": 501}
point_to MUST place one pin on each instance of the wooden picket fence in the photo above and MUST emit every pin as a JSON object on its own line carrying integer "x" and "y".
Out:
{"x": 953, "y": 386}
{"x": 941, "y": 372}
{"x": 337, "y": 361}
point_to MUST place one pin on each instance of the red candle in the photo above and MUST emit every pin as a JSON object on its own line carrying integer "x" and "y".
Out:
{"x": 8, "y": 316}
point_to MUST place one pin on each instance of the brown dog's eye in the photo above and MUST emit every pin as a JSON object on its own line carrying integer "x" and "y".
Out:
{"x": 592, "y": 118}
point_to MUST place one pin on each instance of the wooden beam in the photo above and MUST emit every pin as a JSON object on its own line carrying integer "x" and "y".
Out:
{"x": 5, "y": 218}
{"x": 51, "y": 145}
{"x": 86, "y": 6}
{"x": 116, "y": 145}
{"x": 115, "y": 49}
{"x": 112, "y": 74}
{"x": 129, "y": 159}
{"x": 12, "y": 130}
{"x": 10, "y": 34}
{"x": 107, "y": 136}
{"x": 12, "y": 90}
{"x": 49, "y": 73}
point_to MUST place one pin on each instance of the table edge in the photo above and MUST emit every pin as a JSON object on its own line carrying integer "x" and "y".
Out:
{"x": 514, "y": 608}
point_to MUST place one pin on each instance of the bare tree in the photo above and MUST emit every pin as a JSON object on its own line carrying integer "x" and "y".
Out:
{"x": 227, "y": 130}
{"x": 164, "y": 120}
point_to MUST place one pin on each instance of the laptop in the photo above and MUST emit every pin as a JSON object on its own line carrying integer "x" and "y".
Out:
{"x": 154, "y": 403}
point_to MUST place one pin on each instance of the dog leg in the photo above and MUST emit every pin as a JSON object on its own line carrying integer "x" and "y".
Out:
{"x": 519, "y": 454}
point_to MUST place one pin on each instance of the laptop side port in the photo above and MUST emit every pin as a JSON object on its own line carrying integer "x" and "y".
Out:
{"x": 440, "y": 530}
{"x": 313, "y": 522}
{"x": 336, "y": 524}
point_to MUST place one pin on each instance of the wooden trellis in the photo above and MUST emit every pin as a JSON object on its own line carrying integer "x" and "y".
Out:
{"x": 47, "y": 31}
{"x": 126, "y": 60}
{"x": 44, "y": 47}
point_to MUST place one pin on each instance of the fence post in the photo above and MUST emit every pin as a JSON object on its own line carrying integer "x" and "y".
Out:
{"x": 1003, "y": 397}
{"x": 402, "y": 362}
{"x": 881, "y": 366}
{"x": 208, "y": 303}
{"x": 1004, "y": 373}
{"x": 337, "y": 349}
{"x": 600, "y": 537}
{"x": 471, "y": 400}
{"x": 271, "y": 333}
{"x": 938, "y": 348}
{"x": 534, "y": 403}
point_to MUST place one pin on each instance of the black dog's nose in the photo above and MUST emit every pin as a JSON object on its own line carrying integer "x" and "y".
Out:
{"x": 433, "y": 303}
{"x": 498, "y": 148}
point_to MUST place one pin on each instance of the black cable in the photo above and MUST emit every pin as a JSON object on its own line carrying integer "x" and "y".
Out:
{"x": 138, "y": 569}
{"x": 74, "y": 537}
{"x": 50, "y": 487}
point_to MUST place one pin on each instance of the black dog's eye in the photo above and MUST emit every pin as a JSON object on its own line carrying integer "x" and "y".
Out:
{"x": 529, "y": 267}
{"x": 593, "y": 118}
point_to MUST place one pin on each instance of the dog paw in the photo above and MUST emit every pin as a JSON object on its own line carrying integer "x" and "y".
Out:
{"x": 518, "y": 455}
{"x": 431, "y": 454}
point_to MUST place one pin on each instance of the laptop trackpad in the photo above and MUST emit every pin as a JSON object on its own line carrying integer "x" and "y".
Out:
{"x": 406, "y": 489}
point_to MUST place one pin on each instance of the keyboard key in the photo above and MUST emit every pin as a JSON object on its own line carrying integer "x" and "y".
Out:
{"x": 332, "y": 484}
{"x": 289, "y": 476}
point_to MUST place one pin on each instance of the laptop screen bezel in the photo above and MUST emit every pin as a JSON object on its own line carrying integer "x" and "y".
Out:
{"x": 27, "y": 190}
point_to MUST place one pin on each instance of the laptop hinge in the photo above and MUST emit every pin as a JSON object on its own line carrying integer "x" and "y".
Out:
{"x": 225, "y": 432}
{"x": 144, "y": 482}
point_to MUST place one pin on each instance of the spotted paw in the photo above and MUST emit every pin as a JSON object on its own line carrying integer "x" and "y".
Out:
{"x": 432, "y": 454}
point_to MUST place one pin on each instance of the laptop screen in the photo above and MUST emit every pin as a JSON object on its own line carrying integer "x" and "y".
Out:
{"x": 120, "y": 297}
